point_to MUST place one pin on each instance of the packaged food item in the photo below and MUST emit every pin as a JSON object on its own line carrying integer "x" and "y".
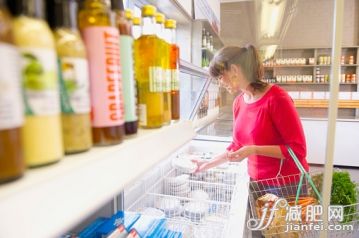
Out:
{"x": 149, "y": 72}
{"x": 147, "y": 227}
{"x": 351, "y": 59}
{"x": 278, "y": 225}
{"x": 73, "y": 76}
{"x": 118, "y": 226}
{"x": 41, "y": 134}
{"x": 91, "y": 230}
{"x": 103, "y": 53}
{"x": 124, "y": 24}
{"x": 12, "y": 164}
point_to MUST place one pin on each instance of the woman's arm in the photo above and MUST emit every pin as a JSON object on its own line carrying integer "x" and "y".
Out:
{"x": 203, "y": 165}
{"x": 273, "y": 151}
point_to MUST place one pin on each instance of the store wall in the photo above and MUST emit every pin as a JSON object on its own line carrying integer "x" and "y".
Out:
{"x": 312, "y": 25}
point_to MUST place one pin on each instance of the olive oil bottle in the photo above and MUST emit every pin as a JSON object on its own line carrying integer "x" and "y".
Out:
{"x": 103, "y": 52}
{"x": 170, "y": 26}
{"x": 148, "y": 72}
{"x": 73, "y": 76}
{"x": 163, "y": 53}
{"x": 12, "y": 163}
{"x": 123, "y": 21}
{"x": 42, "y": 135}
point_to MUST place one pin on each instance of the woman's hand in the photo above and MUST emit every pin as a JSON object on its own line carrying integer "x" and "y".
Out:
{"x": 202, "y": 165}
{"x": 242, "y": 153}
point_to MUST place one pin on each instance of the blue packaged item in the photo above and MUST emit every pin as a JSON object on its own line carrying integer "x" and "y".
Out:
{"x": 118, "y": 226}
{"x": 147, "y": 227}
{"x": 90, "y": 231}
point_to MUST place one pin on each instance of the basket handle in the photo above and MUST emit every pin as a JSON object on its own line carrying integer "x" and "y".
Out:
{"x": 304, "y": 173}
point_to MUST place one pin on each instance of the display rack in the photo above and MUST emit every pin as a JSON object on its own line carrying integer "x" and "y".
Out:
{"x": 64, "y": 194}
{"x": 315, "y": 63}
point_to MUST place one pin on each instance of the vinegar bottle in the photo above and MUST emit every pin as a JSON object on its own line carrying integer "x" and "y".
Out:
{"x": 103, "y": 52}
{"x": 173, "y": 65}
{"x": 123, "y": 23}
{"x": 164, "y": 58}
{"x": 12, "y": 163}
{"x": 73, "y": 76}
{"x": 148, "y": 72}
{"x": 42, "y": 137}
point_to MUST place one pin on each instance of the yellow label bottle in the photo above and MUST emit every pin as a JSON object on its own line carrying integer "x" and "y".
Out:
{"x": 103, "y": 51}
{"x": 12, "y": 163}
{"x": 41, "y": 134}
{"x": 73, "y": 76}
{"x": 163, "y": 53}
{"x": 148, "y": 72}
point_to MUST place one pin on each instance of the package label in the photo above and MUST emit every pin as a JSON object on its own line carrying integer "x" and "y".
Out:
{"x": 39, "y": 79}
{"x": 155, "y": 79}
{"x": 11, "y": 104}
{"x": 129, "y": 86}
{"x": 74, "y": 85}
{"x": 103, "y": 50}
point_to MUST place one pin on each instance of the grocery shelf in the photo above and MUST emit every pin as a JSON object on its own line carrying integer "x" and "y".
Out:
{"x": 63, "y": 194}
{"x": 317, "y": 103}
{"x": 309, "y": 66}
{"x": 290, "y": 66}
{"x": 302, "y": 83}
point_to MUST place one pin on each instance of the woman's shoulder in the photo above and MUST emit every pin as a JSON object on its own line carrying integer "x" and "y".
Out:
{"x": 278, "y": 93}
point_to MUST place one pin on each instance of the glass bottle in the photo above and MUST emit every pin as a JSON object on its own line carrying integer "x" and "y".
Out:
{"x": 204, "y": 40}
{"x": 208, "y": 41}
{"x": 136, "y": 27}
{"x": 73, "y": 76}
{"x": 42, "y": 136}
{"x": 12, "y": 164}
{"x": 103, "y": 53}
{"x": 163, "y": 52}
{"x": 174, "y": 65}
{"x": 124, "y": 24}
{"x": 148, "y": 72}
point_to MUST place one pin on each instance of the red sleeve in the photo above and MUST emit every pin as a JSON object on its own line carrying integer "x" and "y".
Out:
{"x": 289, "y": 126}
{"x": 235, "y": 109}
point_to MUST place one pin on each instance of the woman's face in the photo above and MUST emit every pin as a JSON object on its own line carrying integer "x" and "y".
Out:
{"x": 233, "y": 80}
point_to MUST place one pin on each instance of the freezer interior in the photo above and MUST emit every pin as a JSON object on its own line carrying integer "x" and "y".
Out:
{"x": 209, "y": 204}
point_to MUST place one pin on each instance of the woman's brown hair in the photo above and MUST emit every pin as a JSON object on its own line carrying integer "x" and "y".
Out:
{"x": 247, "y": 58}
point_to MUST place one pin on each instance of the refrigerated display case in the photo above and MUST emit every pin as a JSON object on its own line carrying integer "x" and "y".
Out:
{"x": 51, "y": 201}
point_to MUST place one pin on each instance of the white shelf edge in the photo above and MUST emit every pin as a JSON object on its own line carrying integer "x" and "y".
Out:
{"x": 50, "y": 200}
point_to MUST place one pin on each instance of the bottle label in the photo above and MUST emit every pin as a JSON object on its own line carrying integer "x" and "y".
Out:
{"x": 74, "y": 85}
{"x": 155, "y": 79}
{"x": 142, "y": 114}
{"x": 39, "y": 74}
{"x": 102, "y": 44}
{"x": 129, "y": 87}
{"x": 11, "y": 105}
{"x": 167, "y": 80}
{"x": 174, "y": 80}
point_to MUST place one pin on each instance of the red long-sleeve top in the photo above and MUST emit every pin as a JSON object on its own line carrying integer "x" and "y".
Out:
{"x": 272, "y": 120}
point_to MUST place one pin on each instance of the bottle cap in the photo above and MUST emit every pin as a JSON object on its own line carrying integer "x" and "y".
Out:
{"x": 160, "y": 18}
{"x": 148, "y": 11}
{"x": 128, "y": 14}
{"x": 136, "y": 21}
{"x": 170, "y": 23}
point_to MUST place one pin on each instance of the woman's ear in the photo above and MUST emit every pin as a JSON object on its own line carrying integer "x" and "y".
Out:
{"x": 235, "y": 69}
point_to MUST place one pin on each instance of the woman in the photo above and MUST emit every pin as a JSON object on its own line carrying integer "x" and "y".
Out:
{"x": 265, "y": 120}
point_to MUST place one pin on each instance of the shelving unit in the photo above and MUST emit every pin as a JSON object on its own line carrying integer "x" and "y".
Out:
{"x": 319, "y": 55}
{"x": 67, "y": 192}
{"x": 315, "y": 103}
